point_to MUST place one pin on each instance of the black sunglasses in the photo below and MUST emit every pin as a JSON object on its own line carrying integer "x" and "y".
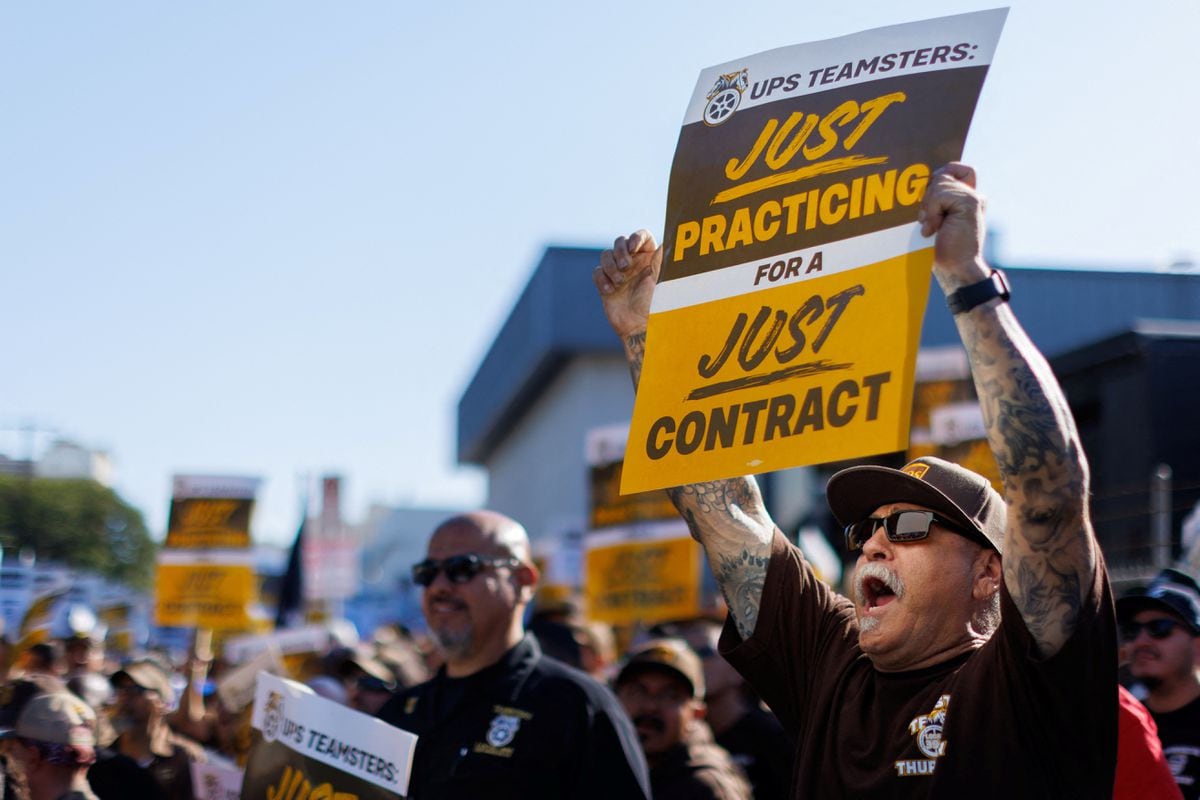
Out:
{"x": 1155, "y": 628}
{"x": 458, "y": 569}
{"x": 900, "y": 527}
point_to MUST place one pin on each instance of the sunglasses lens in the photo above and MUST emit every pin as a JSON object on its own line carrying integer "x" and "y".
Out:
{"x": 1155, "y": 629}
{"x": 461, "y": 569}
{"x": 908, "y": 526}
{"x": 1160, "y": 628}
{"x": 858, "y": 533}
{"x": 424, "y": 573}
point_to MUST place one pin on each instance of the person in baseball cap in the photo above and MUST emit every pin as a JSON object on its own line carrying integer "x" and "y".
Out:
{"x": 51, "y": 744}
{"x": 146, "y": 675}
{"x": 980, "y": 631}
{"x": 1160, "y": 638}
{"x": 143, "y": 697}
{"x": 661, "y": 686}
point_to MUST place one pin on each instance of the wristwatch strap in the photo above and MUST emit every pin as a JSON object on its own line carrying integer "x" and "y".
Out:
{"x": 966, "y": 298}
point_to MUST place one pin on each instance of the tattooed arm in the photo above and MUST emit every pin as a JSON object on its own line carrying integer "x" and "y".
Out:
{"x": 727, "y": 517}
{"x": 1049, "y": 548}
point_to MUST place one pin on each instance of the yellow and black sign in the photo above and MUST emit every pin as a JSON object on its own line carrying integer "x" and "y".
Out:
{"x": 786, "y": 320}
{"x": 610, "y": 507}
{"x": 206, "y": 594}
{"x": 216, "y": 522}
{"x": 205, "y": 574}
{"x": 648, "y": 580}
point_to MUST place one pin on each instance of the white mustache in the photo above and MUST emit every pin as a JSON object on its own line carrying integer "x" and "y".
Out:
{"x": 880, "y": 573}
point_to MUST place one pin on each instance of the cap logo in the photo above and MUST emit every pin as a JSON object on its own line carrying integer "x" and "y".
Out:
{"x": 916, "y": 470}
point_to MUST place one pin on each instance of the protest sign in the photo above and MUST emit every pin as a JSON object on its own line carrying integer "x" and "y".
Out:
{"x": 39, "y": 617}
{"x": 117, "y": 618}
{"x": 785, "y": 323}
{"x": 647, "y": 573}
{"x": 205, "y": 572}
{"x": 313, "y": 747}
{"x": 640, "y": 563}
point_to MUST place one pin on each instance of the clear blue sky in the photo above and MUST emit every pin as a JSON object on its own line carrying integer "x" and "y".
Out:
{"x": 276, "y": 237}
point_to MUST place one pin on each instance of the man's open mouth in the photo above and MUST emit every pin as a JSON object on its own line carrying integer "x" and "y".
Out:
{"x": 877, "y": 593}
{"x": 877, "y": 586}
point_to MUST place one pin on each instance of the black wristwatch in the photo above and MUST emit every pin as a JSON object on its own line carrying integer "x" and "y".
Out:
{"x": 963, "y": 300}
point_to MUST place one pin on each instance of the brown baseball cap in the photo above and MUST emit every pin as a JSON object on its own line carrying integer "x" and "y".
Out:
{"x": 672, "y": 655}
{"x": 148, "y": 675}
{"x": 57, "y": 718}
{"x": 964, "y": 497}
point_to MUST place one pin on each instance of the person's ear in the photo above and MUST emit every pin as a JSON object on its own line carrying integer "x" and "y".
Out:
{"x": 527, "y": 576}
{"x": 987, "y": 574}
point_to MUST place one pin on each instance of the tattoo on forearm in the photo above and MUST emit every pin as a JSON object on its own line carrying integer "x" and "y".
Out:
{"x": 741, "y": 579}
{"x": 1050, "y": 556}
{"x": 727, "y": 518}
{"x": 635, "y": 351}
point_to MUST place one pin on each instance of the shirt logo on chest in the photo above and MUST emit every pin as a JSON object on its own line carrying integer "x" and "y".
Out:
{"x": 927, "y": 728}
{"x": 501, "y": 732}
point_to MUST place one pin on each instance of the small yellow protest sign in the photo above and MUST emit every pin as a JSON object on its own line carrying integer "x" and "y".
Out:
{"x": 786, "y": 319}
{"x": 193, "y": 592}
{"x": 646, "y": 580}
{"x": 205, "y": 575}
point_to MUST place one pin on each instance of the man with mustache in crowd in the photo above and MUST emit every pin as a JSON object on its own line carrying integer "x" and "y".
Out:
{"x": 1160, "y": 627}
{"x": 500, "y": 720}
{"x": 661, "y": 685}
{"x": 953, "y": 672}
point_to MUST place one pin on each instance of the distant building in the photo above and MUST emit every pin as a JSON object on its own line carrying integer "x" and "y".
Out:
{"x": 67, "y": 459}
{"x": 63, "y": 459}
{"x": 555, "y": 370}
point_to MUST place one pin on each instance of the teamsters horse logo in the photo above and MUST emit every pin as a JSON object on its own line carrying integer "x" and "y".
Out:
{"x": 927, "y": 728}
{"x": 503, "y": 730}
{"x": 725, "y": 96}
{"x": 272, "y": 716}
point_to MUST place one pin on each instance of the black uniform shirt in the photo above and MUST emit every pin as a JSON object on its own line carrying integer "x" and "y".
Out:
{"x": 526, "y": 727}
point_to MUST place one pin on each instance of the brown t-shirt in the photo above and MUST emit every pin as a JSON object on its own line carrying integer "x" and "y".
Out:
{"x": 997, "y": 722}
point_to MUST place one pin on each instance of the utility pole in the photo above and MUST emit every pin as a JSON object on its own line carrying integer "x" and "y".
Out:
{"x": 1160, "y": 516}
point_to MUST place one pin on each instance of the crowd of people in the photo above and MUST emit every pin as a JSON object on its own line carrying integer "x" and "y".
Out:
{"x": 978, "y": 650}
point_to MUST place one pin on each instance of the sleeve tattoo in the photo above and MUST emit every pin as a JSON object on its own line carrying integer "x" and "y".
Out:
{"x": 1049, "y": 556}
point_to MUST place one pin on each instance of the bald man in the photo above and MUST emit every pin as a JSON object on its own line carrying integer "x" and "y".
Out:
{"x": 500, "y": 719}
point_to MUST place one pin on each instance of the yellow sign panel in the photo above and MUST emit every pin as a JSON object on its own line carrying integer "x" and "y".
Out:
{"x": 802, "y": 374}
{"x": 204, "y": 595}
{"x": 644, "y": 581}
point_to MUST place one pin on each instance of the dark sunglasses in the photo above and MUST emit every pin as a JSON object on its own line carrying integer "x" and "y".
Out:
{"x": 458, "y": 569}
{"x": 1155, "y": 628}
{"x": 901, "y": 527}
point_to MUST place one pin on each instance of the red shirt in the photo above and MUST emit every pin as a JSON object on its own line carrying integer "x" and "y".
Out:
{"x": 1142, "y": 771}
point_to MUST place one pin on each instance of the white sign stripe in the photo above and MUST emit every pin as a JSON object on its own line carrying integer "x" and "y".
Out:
{"x": 657, "y": 531}
{"x": 226, "y": 558}
{"x": 232, "y": 487}
{"x": 741, "y": 279}
{"x": 980, "y": 31}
